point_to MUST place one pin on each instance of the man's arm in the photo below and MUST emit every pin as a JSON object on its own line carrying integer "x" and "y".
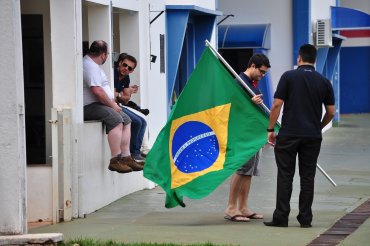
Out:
{"x": 329, "y": 114}
{"x": 274, "y": 115}
{"x": 125, "y": 96}
{"x": 275, "y": 112}
{"x": 103, "y": 98}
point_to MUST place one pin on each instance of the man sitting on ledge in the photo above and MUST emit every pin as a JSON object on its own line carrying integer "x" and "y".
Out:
{"x": 99, "y": 104}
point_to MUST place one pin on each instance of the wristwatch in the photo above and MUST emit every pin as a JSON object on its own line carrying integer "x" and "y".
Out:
{"x": 270, "y": 130}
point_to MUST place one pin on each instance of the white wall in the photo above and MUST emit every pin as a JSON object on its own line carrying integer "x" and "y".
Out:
{"x": 144, "y": 51}
{"x": 12, "y": 123}
{"x": 97, "y": 185}
{"x": 39, "y": 190}
{"x": 157, "y": 85}
{"x": 276, "y": 13}
{"x": 320, "y": 10}
{"x": 129, "y": 43}
{"x": 133, "y": 5}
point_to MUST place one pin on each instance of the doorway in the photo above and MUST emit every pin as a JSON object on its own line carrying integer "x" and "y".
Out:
{"x": 237, "y": 58}
{"x": 34, "y": 87}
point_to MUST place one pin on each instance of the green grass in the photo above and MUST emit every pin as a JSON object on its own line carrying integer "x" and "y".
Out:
{"x": 93, "y": 242}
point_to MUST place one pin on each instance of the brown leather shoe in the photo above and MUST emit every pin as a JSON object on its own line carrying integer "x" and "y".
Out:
{"x": 131, "y": 163}
{"x": 116, "y": 165}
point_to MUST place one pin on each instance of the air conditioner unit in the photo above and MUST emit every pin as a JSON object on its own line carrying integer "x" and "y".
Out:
{"x": 323, "y": 33}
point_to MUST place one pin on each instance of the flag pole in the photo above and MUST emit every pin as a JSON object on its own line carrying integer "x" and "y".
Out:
{"x": 263, "y": 106}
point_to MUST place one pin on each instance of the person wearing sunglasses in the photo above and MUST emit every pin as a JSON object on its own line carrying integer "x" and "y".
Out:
{"x": 99, "y": 104}
{"x": 124, "y": 66}
{"x": 237, "y": 208}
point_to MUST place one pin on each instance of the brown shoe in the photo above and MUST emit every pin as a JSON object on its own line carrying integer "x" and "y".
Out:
{"x": 116, "y": 165}
{"x": 131, "y": 163}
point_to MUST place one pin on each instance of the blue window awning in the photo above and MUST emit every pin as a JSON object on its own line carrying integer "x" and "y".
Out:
{"x": 240, "y": 36}
{"x": 186, "y": 24}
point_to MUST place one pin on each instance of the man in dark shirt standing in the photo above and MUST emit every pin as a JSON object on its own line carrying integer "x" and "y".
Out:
{"x": 303, "y": 91}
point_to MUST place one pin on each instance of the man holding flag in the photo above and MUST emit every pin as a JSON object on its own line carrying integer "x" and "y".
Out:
{"x": 237, "y": 209}
{"x": 213, "y": 128}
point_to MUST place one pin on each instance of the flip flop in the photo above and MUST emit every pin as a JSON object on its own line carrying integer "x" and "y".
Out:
{"x": 235, "y": 218}
{"x": 255, "y": 216}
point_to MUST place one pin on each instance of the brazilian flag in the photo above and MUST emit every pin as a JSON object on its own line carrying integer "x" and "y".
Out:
{"x": 213, "y": 129}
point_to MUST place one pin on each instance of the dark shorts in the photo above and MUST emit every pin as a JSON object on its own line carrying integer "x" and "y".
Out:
{"x": 250, "y": 168}
{"x": 110, "y": 117}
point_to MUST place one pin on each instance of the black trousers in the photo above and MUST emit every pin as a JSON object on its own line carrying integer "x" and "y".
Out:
{"x": 286, "y": 151}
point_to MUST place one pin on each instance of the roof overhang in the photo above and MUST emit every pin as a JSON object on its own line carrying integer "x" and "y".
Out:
{"x": 240, "y": 36}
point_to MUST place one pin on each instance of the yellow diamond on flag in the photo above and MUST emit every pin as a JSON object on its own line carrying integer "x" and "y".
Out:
{"x": 198, "y": 144}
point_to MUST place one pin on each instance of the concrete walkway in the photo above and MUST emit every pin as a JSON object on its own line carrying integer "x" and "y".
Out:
{"x": 141, "y": 217}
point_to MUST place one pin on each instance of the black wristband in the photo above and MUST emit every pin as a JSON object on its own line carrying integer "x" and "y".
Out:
{"x": 270, "y": 130}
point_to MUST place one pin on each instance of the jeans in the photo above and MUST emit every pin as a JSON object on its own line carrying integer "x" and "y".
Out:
{"x": 138, "y": 126}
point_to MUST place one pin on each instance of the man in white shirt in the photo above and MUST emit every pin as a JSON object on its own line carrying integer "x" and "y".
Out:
{"x": 99, "y": 104}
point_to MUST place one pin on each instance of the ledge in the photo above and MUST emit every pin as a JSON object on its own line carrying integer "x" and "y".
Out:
{"x": 30, "y": 239}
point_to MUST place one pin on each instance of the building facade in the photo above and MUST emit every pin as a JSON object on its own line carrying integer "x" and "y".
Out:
{"x": 53, "y": 164}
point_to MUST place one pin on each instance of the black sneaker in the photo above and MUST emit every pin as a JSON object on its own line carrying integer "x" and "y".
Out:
{"x": 138, "y": 158}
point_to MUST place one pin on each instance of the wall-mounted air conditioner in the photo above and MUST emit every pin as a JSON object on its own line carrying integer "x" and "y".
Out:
{"x": 323, "y": 33}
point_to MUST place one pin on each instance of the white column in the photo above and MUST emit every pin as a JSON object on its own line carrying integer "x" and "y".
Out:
{"x": 99, "y": 25}
{"x": 129, "y": 43}
{"x": 144, "y": 48}
{"x": 66, "y": 50}
{"x": 13, "y": 219}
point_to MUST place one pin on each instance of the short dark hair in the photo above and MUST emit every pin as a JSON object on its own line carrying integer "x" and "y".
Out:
{"x": 259, "y": 60}
{"x": 308, "y": 53}
{"x": 125, "y": 56}
{"x": 97, "y": 48}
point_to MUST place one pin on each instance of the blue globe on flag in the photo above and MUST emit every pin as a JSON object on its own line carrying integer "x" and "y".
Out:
{"x": 194, "y": 147}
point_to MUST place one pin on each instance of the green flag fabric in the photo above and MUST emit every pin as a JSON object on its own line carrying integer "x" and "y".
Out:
{"x": 213, "y": 129}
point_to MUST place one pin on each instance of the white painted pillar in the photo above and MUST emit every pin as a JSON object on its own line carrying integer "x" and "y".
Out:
{"x": 144, "y": 54}
{"x": 13, "y": 219}
{"x": 157, "y": 84}
{"x": 66, "y": 50}
{"x": 99, "y": 25}
{"x": 129, "y": 43}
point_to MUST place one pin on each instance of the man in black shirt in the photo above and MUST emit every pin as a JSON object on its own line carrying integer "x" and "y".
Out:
{"x": 302, "y": 91}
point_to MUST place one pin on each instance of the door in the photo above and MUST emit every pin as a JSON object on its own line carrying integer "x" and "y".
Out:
{"x": 34, "y": 87}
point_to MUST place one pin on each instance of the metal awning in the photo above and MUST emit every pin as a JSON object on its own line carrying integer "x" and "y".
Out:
{"x": 350, "y": 22}
{"x": 178, "y": 18}
{"x": 349, "y": 19}
{"x": 240, "y": 36}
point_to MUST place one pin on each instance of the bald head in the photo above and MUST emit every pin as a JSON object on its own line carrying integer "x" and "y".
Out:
{"x": 97, "y": 48}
